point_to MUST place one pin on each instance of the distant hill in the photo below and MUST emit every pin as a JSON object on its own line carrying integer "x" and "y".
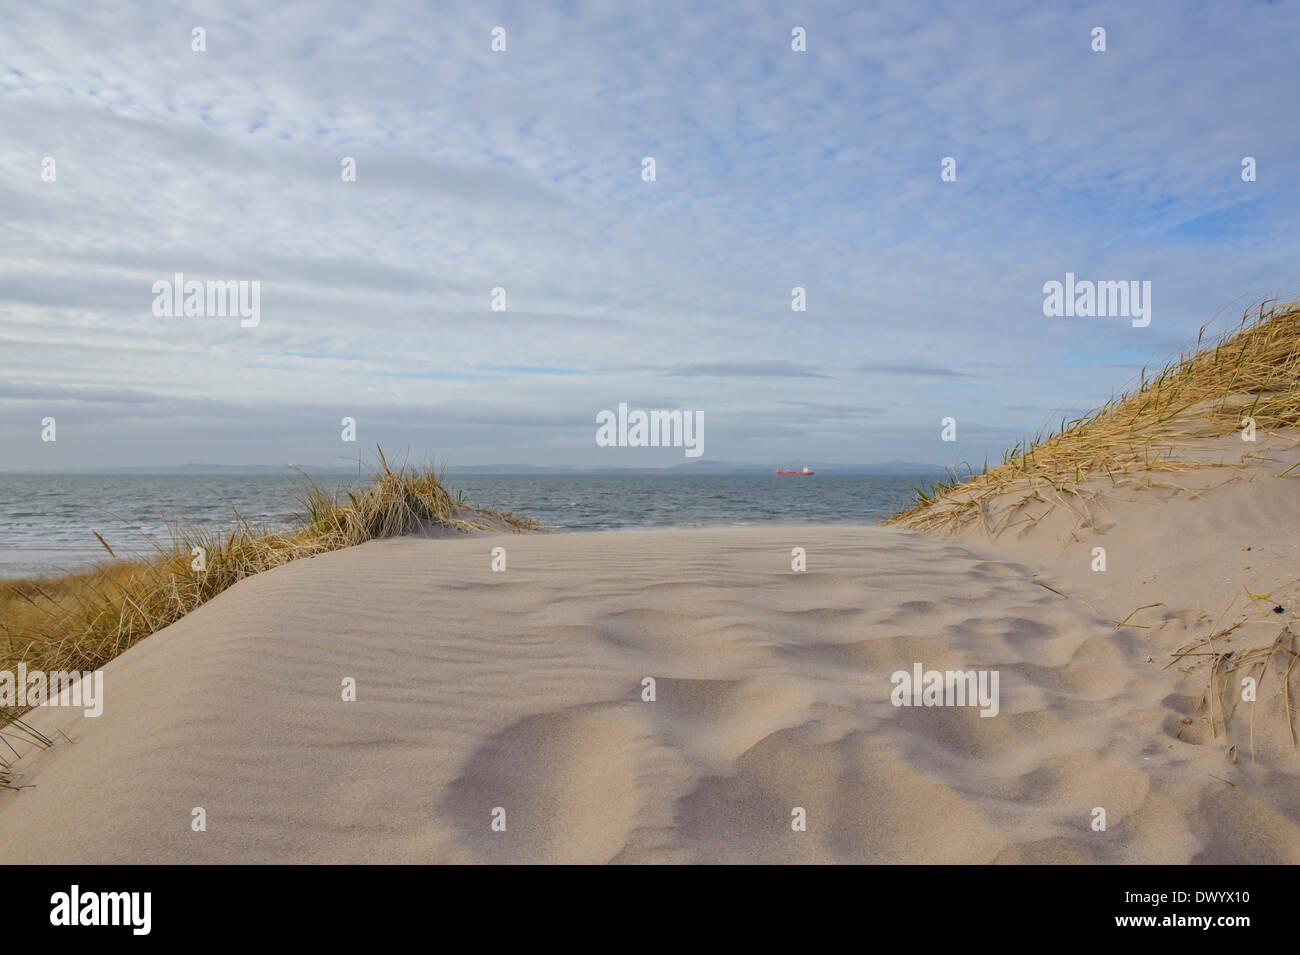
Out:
{"x": 707, "y": 467}
{"x": 221, "y": 469}
{"x": 689, "y": 467}
{"x": 890, "y": 467}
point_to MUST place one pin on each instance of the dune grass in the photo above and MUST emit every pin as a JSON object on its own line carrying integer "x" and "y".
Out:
{"x": 81, "y": 621}
{"x": 1251, "y": 371}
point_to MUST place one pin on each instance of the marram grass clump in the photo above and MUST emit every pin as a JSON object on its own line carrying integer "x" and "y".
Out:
{"x": 81, "y": 621}
{"x": 1252, "y": 371}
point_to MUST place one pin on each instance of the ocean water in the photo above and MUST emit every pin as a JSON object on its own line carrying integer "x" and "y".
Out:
{"x": 47, "y": 522}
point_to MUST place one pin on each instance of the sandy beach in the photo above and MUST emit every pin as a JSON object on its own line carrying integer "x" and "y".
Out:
{"x": 480, "y": 690}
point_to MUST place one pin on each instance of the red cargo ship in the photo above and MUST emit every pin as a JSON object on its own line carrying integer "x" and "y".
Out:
{"x": 804, "y": 473}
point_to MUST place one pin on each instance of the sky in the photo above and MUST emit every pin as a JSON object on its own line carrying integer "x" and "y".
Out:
{"x": 522, "y": 170}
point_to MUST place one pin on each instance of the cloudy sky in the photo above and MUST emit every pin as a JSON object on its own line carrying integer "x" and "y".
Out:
{"x": 523, "y": 170}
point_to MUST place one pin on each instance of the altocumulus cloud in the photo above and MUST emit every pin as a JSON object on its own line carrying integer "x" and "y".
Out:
{"x": 522, "y": 171}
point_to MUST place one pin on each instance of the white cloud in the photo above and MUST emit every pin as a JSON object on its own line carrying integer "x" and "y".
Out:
{"x": 521, "y": 170}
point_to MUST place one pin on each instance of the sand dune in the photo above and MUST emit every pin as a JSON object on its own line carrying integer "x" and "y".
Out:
{"x": 523, "y": 689}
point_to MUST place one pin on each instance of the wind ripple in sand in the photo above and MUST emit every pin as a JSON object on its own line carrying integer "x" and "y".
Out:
{"x": 522, "y": 691}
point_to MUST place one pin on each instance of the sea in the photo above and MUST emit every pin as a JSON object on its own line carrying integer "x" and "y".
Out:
{"x": 48, "y": 522}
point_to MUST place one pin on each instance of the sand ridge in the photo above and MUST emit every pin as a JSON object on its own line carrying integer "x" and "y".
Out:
{"x": 523, "y": 690}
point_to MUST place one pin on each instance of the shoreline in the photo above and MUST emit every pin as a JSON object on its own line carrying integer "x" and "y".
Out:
{"x": 95, "y": 564}
{"x": 522, "y": 689}
{"x": 124, "y": 515}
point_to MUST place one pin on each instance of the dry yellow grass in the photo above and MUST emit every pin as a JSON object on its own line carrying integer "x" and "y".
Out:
{"x": 1252, "y": 371}
{"x": 1207, "y": 391}
{"x": 1224, "y": 668}
{"x": 81, "y": 621}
